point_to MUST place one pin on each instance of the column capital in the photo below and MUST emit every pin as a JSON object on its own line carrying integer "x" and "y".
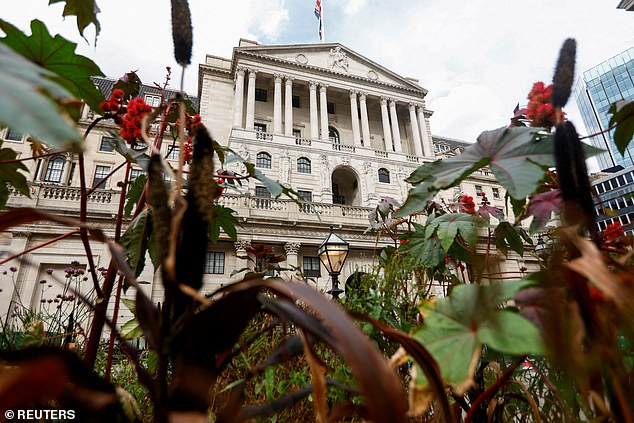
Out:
{"x": 241, "y": 247}
{"x": 277, "y": 77}
{"x": 288, "y": 80}
{"x": 353, "y": 94}
{"x": 240, "y": 70}
{"x": 252, "y": 73}
{"x": 312, "y": 85}
{"x": 384, "y": 100}
{"x": 362, "y": 95}
{"x": 322, "y": 86}
{"x": 412, "y": 105}
{"x": 391, "y": 101}
{"x": 292, "y": 248}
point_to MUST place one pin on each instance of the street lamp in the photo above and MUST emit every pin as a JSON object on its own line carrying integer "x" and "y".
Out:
{"x": 332, "y": 253}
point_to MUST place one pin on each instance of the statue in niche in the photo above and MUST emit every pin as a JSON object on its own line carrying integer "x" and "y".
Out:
{"x": 285, "y": 167}
{"x": 325, "y": 174}
{"x": 338, "y": 59}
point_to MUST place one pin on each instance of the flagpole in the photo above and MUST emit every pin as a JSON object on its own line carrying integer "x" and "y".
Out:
{"x": 323, "y": 24}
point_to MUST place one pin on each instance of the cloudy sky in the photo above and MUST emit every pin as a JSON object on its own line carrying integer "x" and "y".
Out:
{"x": 477, "y": 58}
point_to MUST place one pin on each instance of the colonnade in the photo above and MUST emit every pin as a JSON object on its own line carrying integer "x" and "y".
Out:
{"x": 319, "y": 115}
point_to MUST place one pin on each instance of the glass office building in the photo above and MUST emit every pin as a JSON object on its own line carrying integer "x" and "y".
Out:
{"x": 595, "y": 90}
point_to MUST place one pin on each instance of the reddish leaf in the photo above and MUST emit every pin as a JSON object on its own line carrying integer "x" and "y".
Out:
{"x": 541, "y": 206}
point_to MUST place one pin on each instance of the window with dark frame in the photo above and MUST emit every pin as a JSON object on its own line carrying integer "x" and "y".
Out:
{"x": 54, "y": 169}
{"x": 384, "y": 176}
{"x": 496, "y": 193}
{"x": 297, "y": 133}
{"x": 261, "y": 95}
{"x": 295, "y": 101}
{"x": 172, "y": 152}
{"x": 331, "y": 108}
{"x": 263, "y": 160}
{"x": 13, "y": 135}
{"x": 312, "y": 267}
{"x": 259, "y": 127}
{"x": 105, "y": 145}
{"x": 303, "y": 165}
{"x": 135, "y": 173}
{"x": 478, "y": 189}
{"x": 100, "y": 173}
{"x": 263, "y": 192}
{"x": 215, "y": 264}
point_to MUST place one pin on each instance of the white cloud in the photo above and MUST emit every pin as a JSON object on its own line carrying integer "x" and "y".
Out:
{"x": 352, "y": 7}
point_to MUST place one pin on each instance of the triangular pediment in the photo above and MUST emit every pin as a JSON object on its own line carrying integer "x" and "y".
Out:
{"x": 332, "y": 57}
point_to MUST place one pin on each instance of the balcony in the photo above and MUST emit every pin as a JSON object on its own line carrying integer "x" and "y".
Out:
{"x": 361, "y": 152}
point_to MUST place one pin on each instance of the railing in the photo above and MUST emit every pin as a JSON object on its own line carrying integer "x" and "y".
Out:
{"x": 302, "y": 141}
{"x": 413, "y": 159}
{"x": 263, "y": 136}
{"x": 380, "y": 153}
{"x": 343, "y": 147}
{"x": 61, "y": 197}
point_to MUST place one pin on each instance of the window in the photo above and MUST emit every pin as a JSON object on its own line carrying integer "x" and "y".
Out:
{"x": 306, "y": 195}
{"x": 54, "y": 169}
{"x": 135, "y": 173}
{"x": 312, "y": 267}
{"x": 100, "y": 173}
{"x": 262, "y": 192}
{"x": 295, "y": 101}
{"x": 303, "y": 165}
{"x": 261, "y": 94}
{"x": 331, "y": 108}
{"x": 106, "y": 145}
{"x": 496, "y": 192}
{"x": 152, "y": 100}
{"x": 600, "y": 189}
{"x": 384, "y": 176}
{"x": 13, "y": 135}
{"x": 297, "y": 133}
{"x": 215, "y": 263}
{"x": 172, "y": 152}
{"x": 333, "y": 135}
{"x": 628, "y": 177}
{"x": 259, "y": 127}
{"x": 478, "y": 189}
{"x": 263, "y": 160}
{"x": 441, "y": 148}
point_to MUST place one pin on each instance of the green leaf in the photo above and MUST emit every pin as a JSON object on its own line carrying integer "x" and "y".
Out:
{"x": 426, "y": 250}
{"x": 135, "y": 241}
{"x": 57, "y": 55}
{"x": 449, "y": 225}
{"x": 223, "y": 218}
{"x": 508, "y": 236}
{"x": 30, "y": 102}
{"x": 134, "y": 194}
{"x": 10, "y": 175}
{"x": 85, "y": 11}
{"x": 130, "y": 304}
{"x": 514, "y": 156}
{"x": 131, "y": 329}
{"x": 456, "y": 327}
{"x": 623, "y": 117}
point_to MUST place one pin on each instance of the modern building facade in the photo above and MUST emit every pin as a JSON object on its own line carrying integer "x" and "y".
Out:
{"x": 340, "y": 129}
{"x": 596, "y": 89}
{"x": 614, "y": 198}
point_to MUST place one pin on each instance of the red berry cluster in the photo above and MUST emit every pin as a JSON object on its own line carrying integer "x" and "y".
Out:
{"x": 130, "y": 126}
{"x": 466, "y": 204}
{"x": 219, "y": 189}
{"x": 114, "y": 103}
{"x": 191, "y": 123}
{"x": 614, "y": 236}
{"x": 540, "y": 109}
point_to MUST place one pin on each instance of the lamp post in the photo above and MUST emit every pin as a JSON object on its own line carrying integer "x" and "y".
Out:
{"x": 333, "y": 253}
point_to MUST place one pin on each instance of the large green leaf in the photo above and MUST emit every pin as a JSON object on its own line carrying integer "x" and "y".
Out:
{"x": 508, "y": 236}
{"x": 449, "y": 226}
{"x": 223, "y": 218}
{"x": 85, "y": 11}
{"x": 135, "y": 241}
{"x": 10, "y": 174}
{"x": 135, "y": 190}
{"x": 623, "y": 117}
{"x": 56, "y": 54}
{"x": 30, "y": 101}
{"x": 456, "y": 327}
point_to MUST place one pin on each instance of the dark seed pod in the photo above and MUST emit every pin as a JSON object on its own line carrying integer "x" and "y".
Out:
{"x": 182, "y": 32}
{"x": 158, "y": 200}
{"x": 573, "y": 177}
{"x": 564, "y": 73}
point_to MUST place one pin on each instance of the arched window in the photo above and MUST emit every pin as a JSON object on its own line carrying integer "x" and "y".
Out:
{"x": 54, "y": 169}
{"x": 333, "y": 135}
{"x": 384, "y": 175}
{"x": 263, "y": 160}
{"x": 303, "y": 165}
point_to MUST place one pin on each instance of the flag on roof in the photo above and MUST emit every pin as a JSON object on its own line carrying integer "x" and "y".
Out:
{"x": 319, "y": 15}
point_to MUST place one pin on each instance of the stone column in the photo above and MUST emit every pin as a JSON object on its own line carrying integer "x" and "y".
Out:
{"x": 239, "y": 98}
{"x": 251, "y": 100}
{"x": 288, "y": 106}
{"x": 292, "y": 250}
{"x": 387, "y": 135}
{"x": 277, "y": 104}
{"x": 365, "y": 125}
{"x": 314, "y": 119}
{"x": 396, "y": 133}
{"x": 354, "y": 117}
{"x": 428, "y": 150}
{"x": 323, "y": 108}
{"x": 415, "y": 135}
